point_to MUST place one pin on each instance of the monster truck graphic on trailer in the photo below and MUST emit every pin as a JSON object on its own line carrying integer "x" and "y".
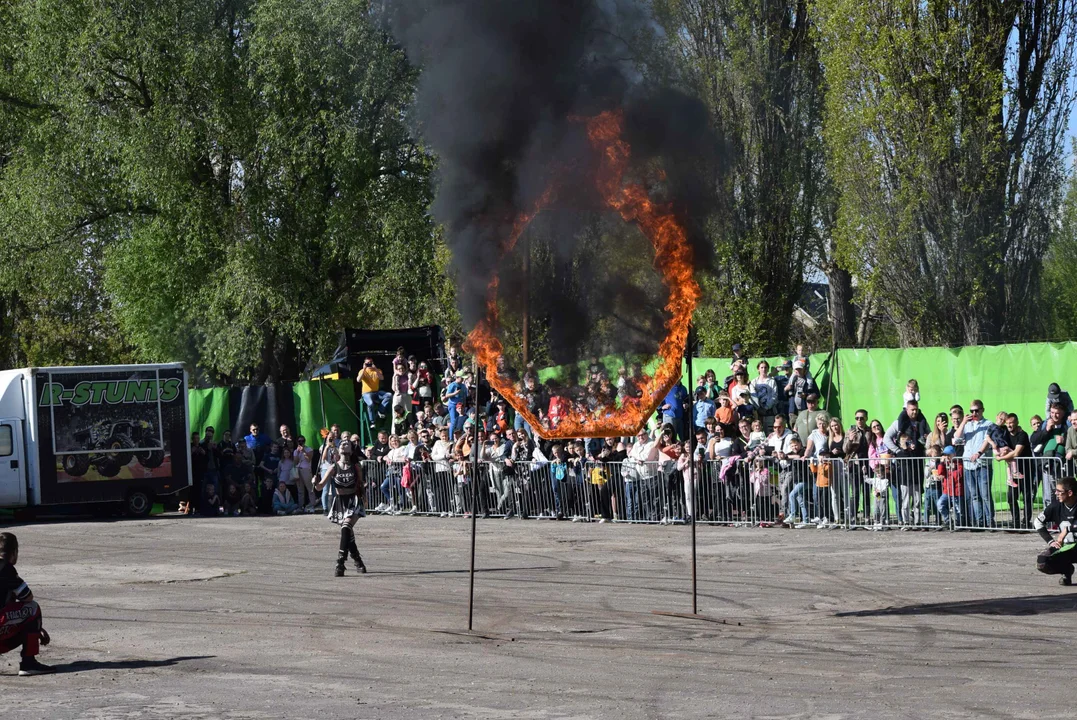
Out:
{"x": 117, "y": 443}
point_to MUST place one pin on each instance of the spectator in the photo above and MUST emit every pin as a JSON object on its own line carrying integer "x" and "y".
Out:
{"x": 377, "y": 400}
{"x": 1049, "y": 443}
{"x": 303, "y": 457}
{"x": 285, "y": 434}
{"x": 455, "y": 398}
{"x": 232, "y": 497}
{"x": 198, "y": 472}
{"x": 912, "y": 391}
{"x": 639, "y": 472}
{"x": 269, "y": 466}
{"x": 704, "y": 407}
{"x": 793, "y": 476}
{"x": 1020, "y": 477}
{"x": 709, "y": 382}
{"x": 974, "y": 431}
{"x": 818, "y": 439}
{"x": 401, "y": 381}
{"x": 236, "y": 474}
{"x": 952, "y": 499}
{"x": 672, "y": 408}
{"x": 940, "y": 433}
{"x": 782, "y": 376}
{"x": 403, "y": 420}
{"x": 212, "y": 473}
{"x": 283, "y": 503}
{"x": 957, "y": 414}
{"x": 1056, "y": 394}
{"x": 932, "y": 484}
{"x": 857, "y": 445}
{"x": 911, "y": 423}
{"x": 211, "y": 502}
{"x": 423, "y": 387}
{"x": 798, "y": 389}
{"x": 287, "y": 464}
{"x": 740, "y": 392}
{"x": 725, "y": 415}
{"x": 808, "y": 418}
{"x": 764, "y": 391}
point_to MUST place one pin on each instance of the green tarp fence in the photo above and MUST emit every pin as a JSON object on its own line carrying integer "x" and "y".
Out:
{"x": 208, "y": 407}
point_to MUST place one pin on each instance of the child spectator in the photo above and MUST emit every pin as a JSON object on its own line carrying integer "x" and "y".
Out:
{"x": 247, "y": 506}
{"x": 283, "y": 503}
{"x": 211, "y": 503}
{"x": 912, "y": 392}
{"x": 757, "y": 438}
{"x": 794, "y": 474}
{"x": 759, "y": 477}
{"x": 232, "y": 496}
{"x": 270, "y": 465}
{"x": 953, "y": 481}
{"x": 933, "y": 472}
{"x": 824, "y": 470}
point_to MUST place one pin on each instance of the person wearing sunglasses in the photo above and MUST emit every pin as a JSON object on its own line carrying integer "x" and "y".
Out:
{"x": 974, "y": 431}
{"x": 1058, "y": 557}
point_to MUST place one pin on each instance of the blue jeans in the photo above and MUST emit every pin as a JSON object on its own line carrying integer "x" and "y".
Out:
{"x": 520, "y": 424}
{"x": 632, "y": 501}
{"x": 391, "y": 480}
{"x": 945, "y": 504}
{"x": 382, "y": 398}
{"x": 327, "y": 492}
{"x": 931, "y": 503}
{"x": 978, "y": 490}
{"x": 796, "y": 501}
{"x": 452, "y": 421}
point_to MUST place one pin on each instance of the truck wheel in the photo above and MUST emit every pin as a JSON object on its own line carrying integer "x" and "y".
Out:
{"x": 76, "y": 465}
{"x": 138, "y": 504}
{"x": 107, "y": 466}
{"x": 121, "y": 442}
{"x": 150, "y": 459}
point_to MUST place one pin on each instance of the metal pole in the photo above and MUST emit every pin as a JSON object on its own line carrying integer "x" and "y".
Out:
{"x": 474, "y": 499}
{"x": 692, "y": 464}
{"x": 527, "y": 299}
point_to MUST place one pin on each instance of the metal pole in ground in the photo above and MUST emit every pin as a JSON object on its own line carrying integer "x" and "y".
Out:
{"x": 692, "y": 461}
{"x": 474, "y": 498}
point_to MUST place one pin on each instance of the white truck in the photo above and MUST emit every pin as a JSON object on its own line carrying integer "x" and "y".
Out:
{"x": 101, "y": 436}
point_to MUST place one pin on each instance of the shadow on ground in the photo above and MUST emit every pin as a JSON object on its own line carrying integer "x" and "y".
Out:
{"x": 1027, "y": 605}
{"x": 84, "y": 665}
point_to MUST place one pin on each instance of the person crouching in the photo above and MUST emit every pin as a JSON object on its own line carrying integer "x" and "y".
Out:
{"x": 20, "y": 616}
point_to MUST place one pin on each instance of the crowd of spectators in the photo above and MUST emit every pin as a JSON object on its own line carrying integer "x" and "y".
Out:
{"x": 765, "y": 452}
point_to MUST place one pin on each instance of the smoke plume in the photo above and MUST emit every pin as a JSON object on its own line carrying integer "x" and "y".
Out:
{"x": 503, "y": 87}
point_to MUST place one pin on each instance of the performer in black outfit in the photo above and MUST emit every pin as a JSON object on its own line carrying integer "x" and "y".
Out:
{"x": 20, "y": 616}
{"x": 1061, "y": 551}
{"x": 346, "y": 507}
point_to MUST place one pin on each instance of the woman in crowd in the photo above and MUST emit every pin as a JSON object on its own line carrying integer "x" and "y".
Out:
{"x": 940, "y": 431}
{"x": 441, "y": 456}
{"x": 394, "y": 469}
{"x": 839, "y": 491}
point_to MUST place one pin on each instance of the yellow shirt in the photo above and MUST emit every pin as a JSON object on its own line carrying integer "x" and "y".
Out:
{"x": 371, "y": 379}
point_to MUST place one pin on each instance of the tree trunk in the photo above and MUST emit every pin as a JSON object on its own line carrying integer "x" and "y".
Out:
{"x": 840, "y": 305}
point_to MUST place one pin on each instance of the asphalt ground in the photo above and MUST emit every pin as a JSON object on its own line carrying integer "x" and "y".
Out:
{"x": 177, "y": 617}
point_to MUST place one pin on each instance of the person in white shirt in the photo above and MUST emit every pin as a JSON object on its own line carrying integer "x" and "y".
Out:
{"x": 302, "y": 456}
{"x": 441, "y": 455}
{"x": 639, "y": 472}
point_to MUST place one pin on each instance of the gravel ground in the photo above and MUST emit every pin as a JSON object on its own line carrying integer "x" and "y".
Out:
{"x": 242, "y": 618}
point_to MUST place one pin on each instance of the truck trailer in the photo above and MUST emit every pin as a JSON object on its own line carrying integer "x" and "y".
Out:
{"x": 101, "y": 436}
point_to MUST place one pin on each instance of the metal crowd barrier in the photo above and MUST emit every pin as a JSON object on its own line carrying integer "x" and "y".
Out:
{"x": 877, "y": 493}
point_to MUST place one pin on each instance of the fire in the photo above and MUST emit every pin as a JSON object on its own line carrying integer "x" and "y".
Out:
{"x": 673, "y": 260}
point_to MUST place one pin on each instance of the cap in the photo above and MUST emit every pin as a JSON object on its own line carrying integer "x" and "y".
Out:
{"x": 798, "y": 365}
{"x": 949, "y": 450}
{"x": 736, "y": 347}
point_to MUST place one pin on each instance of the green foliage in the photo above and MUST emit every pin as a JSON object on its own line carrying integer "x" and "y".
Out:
{"x": 1059, "y": 268}
{"x": 946, "y": 152}
{"x": 755, "y": 65}
{"x": 228, "y": 183}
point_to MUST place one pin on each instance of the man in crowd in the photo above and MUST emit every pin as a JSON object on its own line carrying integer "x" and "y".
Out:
{"x": 377, "y": 400}
{"x": 1018, "y": 454}
{"x": 704, "y": 408}
{"x": 911, "y": 423}
{"x": 805, "y": 422}
{"x": 1049, "y": 443}
{"x": 799, "y": 387}
{"x": 1056, "y": 395}
{"x": 673, "y": 408}
{"x": 638, "y": 472}
{"x": 20, "y": 616}
{"x": 211, "y": 457}
{"x": 974, "y": 431}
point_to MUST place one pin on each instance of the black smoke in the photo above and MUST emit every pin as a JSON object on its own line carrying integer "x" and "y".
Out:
{"x": 502, "y": 86}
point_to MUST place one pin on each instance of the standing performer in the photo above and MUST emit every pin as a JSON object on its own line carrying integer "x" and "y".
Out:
{"x": 1061, "y": 551}
{"x": 346, "y": 507}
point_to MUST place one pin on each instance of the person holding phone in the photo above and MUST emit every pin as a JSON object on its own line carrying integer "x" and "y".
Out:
{"x": 371, "y": 378}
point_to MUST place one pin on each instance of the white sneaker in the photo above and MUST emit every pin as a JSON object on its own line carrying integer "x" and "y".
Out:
{"x": 381, "y": 508}
{"x": 801, "y": 526}
{"x": 816, "y": 520}
{"x": 444, "y": 514}
{"x": 664, "y": 521}
{"x": 823, "y": 523}
{"x": 601, "y": 520}
{"x": 577, "y": 518}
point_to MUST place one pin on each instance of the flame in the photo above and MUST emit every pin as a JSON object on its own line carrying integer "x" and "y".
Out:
{"x": 673, "y": 260}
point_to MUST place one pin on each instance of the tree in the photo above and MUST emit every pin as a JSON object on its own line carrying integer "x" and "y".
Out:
{"x": 755, "y": 64}
{"x": 1059, "y": 268}
{"x": 945, "y": 124}
{"x": 228, "y": 182}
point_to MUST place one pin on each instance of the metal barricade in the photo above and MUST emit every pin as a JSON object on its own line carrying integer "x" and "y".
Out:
{"x": 898, "y": 492}
{"x": 1007, "y": 494}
